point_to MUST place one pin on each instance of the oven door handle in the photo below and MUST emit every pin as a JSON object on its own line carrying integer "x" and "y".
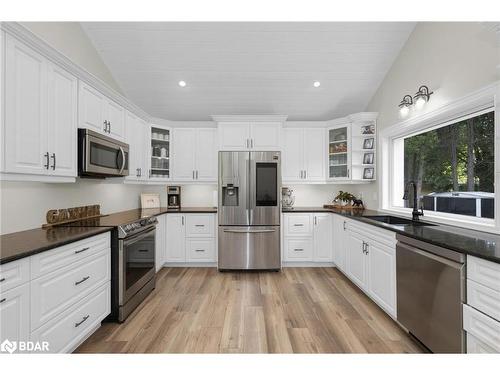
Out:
{"x": 137, "y": 237}
{"x": 123, "y": 159}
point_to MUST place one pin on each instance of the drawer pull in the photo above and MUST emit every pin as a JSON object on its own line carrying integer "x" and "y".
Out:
{"x": 298, "y": 249}
{"x": 82, "y": 321}
{"x": 82, "y": 250}
{"x": 199, "y": 225}
{"x": 143, "y": 250}
{"x": 2, "y": 300}
{"x": 298, "y": 225}
{"x": 82, "y": 280}
{"x": 200, "y": 250}
{"x": 2, "y": 279}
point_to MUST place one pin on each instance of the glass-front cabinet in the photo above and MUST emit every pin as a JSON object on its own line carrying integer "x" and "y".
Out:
{"x": 160, "y": 153}
{"x": 339, "y": 152}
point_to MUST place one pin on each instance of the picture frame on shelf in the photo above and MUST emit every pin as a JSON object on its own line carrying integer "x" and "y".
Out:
{"x": 150, "y": 200}
{"x": 368, "y": 158}
{"x": 368, "y": 173}
{"x": 368, "y": 129}
{"x": 368, "y": 143}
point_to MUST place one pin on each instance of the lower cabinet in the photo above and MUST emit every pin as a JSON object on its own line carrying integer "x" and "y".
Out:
{"x": 161, "y": 242}
{"x": 357, "y": 261}
{"x": 191, "y": 238}
{"x": 57, "y": 297}
{"x": 307, "y": 237}
{"x": 339, "y": 241}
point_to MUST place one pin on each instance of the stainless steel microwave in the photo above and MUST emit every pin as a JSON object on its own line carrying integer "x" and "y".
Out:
{"x": 101, "y": 156}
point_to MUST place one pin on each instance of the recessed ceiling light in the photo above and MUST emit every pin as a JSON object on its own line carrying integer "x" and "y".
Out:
{"x": 317, "y": 84}
{"x": 182, "y": 83}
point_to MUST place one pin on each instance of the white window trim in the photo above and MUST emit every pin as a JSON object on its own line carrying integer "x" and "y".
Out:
{"x": 480, "y": 100}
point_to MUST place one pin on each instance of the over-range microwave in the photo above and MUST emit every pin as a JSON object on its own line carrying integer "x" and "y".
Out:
{"x": 100, "y": 156}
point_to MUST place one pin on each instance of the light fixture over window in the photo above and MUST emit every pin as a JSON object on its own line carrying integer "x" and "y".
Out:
{"x": 422, "y": 96}
{"x": 405, "y": 104}
{"x": 182, "y": 83}
{"x": 317, "y": 84}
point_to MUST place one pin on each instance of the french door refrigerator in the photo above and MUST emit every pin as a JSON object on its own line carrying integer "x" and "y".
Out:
{"x": 249, "y": 210}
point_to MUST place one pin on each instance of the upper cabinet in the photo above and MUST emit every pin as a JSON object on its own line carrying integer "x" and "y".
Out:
{"x": 137, "y": 132}
{"x": 253, "y": 133}
{"x": 40, "y": 114}
{"x": 99, "y": 113}
{"x": 303, "y": 155}
{"x": 339, "y": 152}
{"x": 194, "y": 154}
{"x": 159, "y": 153}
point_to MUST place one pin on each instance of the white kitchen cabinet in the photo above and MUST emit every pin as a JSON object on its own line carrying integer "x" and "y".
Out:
{"x": 298, "y": 249}
{"x": 15, "y": 314}
{"x": 194, "y": 155}
{"x": 322, "y": 237}
{"x": 159, "y": 153}
{"x": 137, "y": 131}
{"x": 339, "y": 152}
{"x": 191, "y": 238}
{"x": 253, "y": 136}
{"x": 357, "y": 261}
{"x": 339, "y": 242}
{"x": 161, "y": 242}
{"x": 382, "y": 275}
{"x": 99, "y": 113}
{"x": 40, "y": 114}
{"x": 304, "y": 155}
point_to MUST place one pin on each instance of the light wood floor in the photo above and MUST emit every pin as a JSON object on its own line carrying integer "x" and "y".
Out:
{"x": 298, "y": 310}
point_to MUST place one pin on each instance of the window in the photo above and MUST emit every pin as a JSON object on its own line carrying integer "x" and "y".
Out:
{"x": 452, "y": 166}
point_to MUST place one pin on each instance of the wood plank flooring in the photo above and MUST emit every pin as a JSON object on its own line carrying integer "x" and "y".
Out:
{"x": 297, "y": 310}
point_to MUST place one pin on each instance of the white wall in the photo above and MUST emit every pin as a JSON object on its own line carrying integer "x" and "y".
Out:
{"x": 452, "y": 59}
{"x": 70, "y": 39}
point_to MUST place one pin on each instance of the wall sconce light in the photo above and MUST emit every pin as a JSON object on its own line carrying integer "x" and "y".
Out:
{"x": 422, "y": 96}
{"x": 404, "y": 106}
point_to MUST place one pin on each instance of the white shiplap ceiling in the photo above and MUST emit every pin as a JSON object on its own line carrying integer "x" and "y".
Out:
{"x": 249, "y": 68}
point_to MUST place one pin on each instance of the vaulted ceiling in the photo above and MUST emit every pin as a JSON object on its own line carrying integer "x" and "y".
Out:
{"x": 248, "y": 68}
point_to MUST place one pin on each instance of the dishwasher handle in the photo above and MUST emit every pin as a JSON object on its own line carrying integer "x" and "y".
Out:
{"x": 429, "y": 255}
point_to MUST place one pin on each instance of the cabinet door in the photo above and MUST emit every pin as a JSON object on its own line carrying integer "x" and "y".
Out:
{"x": 183, "y": 168}
{"x": 339, "y": 153}
{"x": 206, "y": 155}
{"x": 322, "y": 224}
{"x": 25, "y": 110}
{"x": 62, "y": 121}
{"x": 234, "y": 136}
{"x": 339, "y": 242}
{"x": 314, "y": 154}
{"x": 265, "y": 136}
{"x": 293, "y": 154}
{"x": 200, "y": 250}
{"x": 356, "y": 260}
{"x": 161, "y": 242}
{"x": 176, "y": 238}
{"x": 136, "y": 150}
{"x": 15, "y": 314}
{"x": 115, "y": 114}
{"x": 382, "y": 276}
{"x": 298, "y": 249}
{"x": 91, "y": 104}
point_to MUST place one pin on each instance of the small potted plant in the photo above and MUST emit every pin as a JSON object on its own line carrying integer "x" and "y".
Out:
{"x": 344, "y": 198}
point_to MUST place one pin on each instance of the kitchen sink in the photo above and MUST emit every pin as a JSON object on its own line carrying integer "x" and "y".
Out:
{"x": 394, "y": 220}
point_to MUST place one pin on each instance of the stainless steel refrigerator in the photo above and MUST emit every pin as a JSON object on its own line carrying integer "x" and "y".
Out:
{"x": 249, "y": 210}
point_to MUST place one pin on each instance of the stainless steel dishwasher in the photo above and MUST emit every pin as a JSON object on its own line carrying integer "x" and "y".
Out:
{"x": 430, "y": 292}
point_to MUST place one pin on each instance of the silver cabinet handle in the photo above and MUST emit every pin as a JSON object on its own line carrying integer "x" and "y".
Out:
{"x": 3, "y": 300}
{"x": 305, "y": 174}
{"x": 82, "y": 321}
{"x": 248, "y": 143}
{"x": 54, "y": 158}
{"x": 196, "y": 174}
{"x": 109, "y": 127}
{"x": 193, "y": 175}
{"x": 315, "y": 220}
{"x": 2, "y": 279}
{"x": 199, "y": 225}
{"x": 298, "y": 249}
{"x": 82, "y": 280}
{"x": 143, "y": 250}
{"x": 140, "y": 172}
{"x": 137, "y": 172}
{"x": 366, "y": 248}
{"x": 298, "y": 225}
{"x": 81, "y": 250}
{"x": 344, "y": 224}
{"x": 182, "y": 220}
{"x": 251, "y": 142}
{"x": 46, "y": 160}
{"x": 347, "y": 172}
{"x": 200, "y": 250}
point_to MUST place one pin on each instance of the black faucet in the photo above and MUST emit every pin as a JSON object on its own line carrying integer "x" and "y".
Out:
{"x": 416, "y": 212}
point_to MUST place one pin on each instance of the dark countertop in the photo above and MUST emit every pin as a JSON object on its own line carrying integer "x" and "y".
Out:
{"x": 18, "y": 245}
{"x": 473, "y": 242}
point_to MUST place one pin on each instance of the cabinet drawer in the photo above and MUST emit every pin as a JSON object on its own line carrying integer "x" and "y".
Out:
{"x": 55, "y": 292}
{"x": 484, "y": 272}
{"x": 66, "y": 331}
{"x": 299, "y": 249}
{"x": 14, "y": 273}
{"x": 298, "y": 225}
{"x": 200, "y": 250}
{"x": 476, "y": 346}
{"x": 483, "y": 299}
{"x": 200, "y": 225}
{"x": 482, "y": 327}
{"x": 15, "y": 313}
{"x": 54, "y": 259}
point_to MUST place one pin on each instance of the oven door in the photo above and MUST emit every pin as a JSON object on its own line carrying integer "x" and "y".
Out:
{"x": 100, "y": 155}
{"x": 136, "y": 263}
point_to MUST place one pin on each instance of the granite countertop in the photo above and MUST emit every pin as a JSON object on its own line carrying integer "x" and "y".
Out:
{"x": 18, "y": 245}
{"x": 473, "y": 242}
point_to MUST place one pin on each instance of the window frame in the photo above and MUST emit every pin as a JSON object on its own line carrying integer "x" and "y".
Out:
{"x": 474, "y": 104}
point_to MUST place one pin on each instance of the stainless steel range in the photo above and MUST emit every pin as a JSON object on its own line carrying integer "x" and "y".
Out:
{"x": 249, "y": 210}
